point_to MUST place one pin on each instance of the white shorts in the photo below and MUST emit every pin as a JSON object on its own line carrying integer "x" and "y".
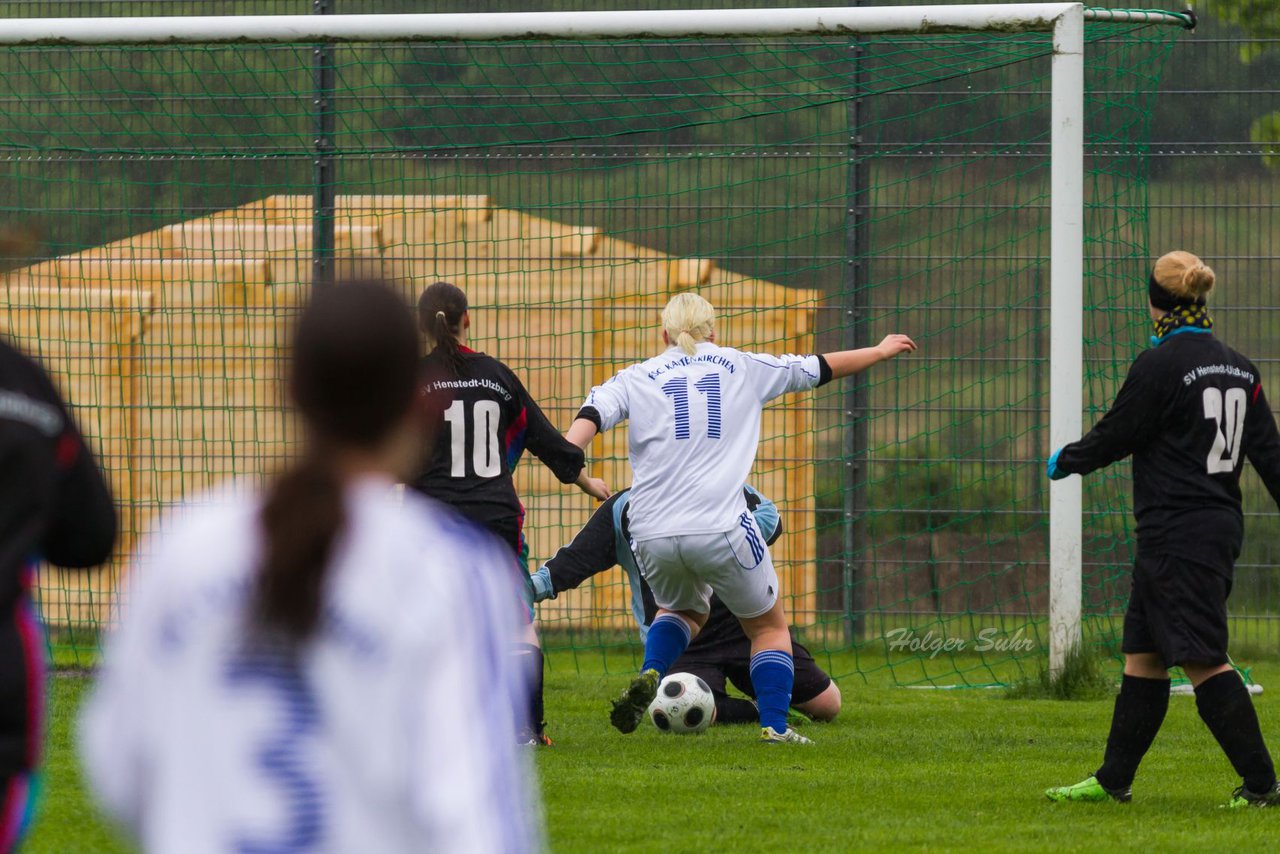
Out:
{"x": 683, "y": 571}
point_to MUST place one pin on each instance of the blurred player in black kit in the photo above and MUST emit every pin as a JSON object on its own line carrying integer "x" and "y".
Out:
{"x": 1190, "y": 410}
{"x": 55, "y": 506}
{"x": 490, "y": 421}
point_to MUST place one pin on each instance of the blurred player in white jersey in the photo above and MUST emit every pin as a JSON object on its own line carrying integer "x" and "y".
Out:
{"x": 694, "y": 414}
{"x": 322, "y": 666}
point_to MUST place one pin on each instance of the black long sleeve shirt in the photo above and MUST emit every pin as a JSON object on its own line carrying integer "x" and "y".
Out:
{"x": 54, "y": 501}
{"x": 54, "y": 505}
{"x": 489, "y": 422}
{"x": 1189, "y": 412}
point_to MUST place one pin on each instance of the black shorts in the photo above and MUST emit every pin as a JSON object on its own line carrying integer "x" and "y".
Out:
{"x": 1178, "y": 609}
{"x": 732, "y": 663}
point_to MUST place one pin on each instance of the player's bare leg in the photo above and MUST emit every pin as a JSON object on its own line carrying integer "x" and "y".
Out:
{"x": 772, "y": 673}
{"x": 668, "y": 636}
{"x": 768, "y": 631}
{"x": 1145, "y": 665}
{"x": 823, "y": 707}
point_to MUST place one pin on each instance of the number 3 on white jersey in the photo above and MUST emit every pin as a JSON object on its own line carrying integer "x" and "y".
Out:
{"x": 1229, "y": 422}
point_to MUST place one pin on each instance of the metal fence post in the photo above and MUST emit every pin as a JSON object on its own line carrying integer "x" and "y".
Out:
{"x": 857, "y": 390}
{"x": 322, "y": 164}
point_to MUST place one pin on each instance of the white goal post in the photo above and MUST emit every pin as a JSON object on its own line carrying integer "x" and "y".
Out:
{"x": 1065, "y": 21}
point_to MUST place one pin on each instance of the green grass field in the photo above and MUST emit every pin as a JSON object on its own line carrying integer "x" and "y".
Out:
{"x": 902, "y": 769}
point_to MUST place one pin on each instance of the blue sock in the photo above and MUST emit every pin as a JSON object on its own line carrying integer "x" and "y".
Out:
{"x": 667, "y": 638}
{"x": 772, "y": 674}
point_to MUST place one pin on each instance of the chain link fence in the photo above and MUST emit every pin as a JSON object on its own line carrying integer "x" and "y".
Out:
{"x": 1213, "y": 183}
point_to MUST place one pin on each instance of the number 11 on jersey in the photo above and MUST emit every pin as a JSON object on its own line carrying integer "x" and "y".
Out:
{"x": 677, "y": 388}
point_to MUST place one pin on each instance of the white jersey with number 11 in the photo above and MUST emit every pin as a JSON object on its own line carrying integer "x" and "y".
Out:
{"x": 694, "y": 429}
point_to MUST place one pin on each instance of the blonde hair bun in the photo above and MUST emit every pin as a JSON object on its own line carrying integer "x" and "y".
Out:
{"x": 1184, "y": 276}
{"x": 1198, "y": 280}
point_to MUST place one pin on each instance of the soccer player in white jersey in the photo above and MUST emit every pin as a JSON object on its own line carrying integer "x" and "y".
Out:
{"x": 322, "y": 666}
{"x": 694, "y": 414}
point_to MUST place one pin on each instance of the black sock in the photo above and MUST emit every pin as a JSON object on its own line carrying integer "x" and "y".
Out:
{"x": 733, "y": 710}
{"x": 1139, "y": 712}
{"x": 531, "y": 657}
{"x": 1225, "y": 706}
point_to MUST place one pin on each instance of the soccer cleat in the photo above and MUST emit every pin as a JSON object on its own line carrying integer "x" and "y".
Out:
{"x": 1088, "y": 791}
{"x": 534, "y": 738}
{"x": 769, "y": 735}
{"x": 1242, "y": 798}
{"x": 630, "y": 707}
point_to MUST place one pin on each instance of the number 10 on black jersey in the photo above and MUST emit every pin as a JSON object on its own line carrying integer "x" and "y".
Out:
{"x": 486, "y": 460}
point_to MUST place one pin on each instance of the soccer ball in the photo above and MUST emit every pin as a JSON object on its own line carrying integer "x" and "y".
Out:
{"x": 684, "y": 705}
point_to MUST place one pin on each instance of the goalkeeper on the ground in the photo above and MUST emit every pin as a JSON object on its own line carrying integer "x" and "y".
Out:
{"x": 721, "y": 653}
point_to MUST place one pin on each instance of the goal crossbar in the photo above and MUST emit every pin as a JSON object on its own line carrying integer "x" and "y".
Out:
{"x": 499, "y": 26}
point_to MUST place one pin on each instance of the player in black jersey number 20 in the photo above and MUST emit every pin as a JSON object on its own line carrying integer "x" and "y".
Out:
{"x": 488, "y": 423}
{"x": 1190, "y": 410}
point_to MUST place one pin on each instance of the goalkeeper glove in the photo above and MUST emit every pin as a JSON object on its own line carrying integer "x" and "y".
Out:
{"x": 540, "y": 581}
{"x": 1051, "y": 467}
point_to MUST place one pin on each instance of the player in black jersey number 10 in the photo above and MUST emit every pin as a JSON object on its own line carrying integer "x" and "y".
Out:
{"x": 1190, "y": 410}
{"x": 489, "y": 420}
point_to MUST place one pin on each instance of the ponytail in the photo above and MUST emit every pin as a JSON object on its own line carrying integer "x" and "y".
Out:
{"x": 440, "y": 311}
{"x": 354, "y": 381}
{"x": 301, "y": 519}
{"x": 446, "y": 344}
{"x": 688, "y": 319}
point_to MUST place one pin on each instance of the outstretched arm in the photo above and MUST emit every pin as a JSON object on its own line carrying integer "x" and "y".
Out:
{"x": 582, "y": 431}
{"x": 845, "y": 363}
{"x": 544, "y": 441}
{"x": 1127, "y": 426}
{"x": 564, "y": 458}
{"x": 773, "y": 376}
{"x": 606, "y": 406}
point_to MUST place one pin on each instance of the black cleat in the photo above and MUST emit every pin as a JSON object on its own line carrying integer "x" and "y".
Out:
{"x": 630, "y": 707}
{"x": 1242, "y": 798}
